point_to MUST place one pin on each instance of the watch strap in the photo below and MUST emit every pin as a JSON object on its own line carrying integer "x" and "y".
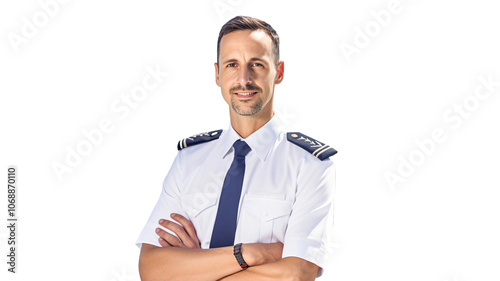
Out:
{"x": 239, "y": 256}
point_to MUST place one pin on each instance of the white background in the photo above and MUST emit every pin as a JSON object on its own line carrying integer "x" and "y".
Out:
{"x": 441, "y": 223}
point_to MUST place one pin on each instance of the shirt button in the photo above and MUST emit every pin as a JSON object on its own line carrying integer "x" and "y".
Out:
{"x": 264, "y": 213}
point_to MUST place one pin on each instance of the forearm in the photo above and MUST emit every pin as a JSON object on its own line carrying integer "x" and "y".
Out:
{"x": 173, "y": 263}
{"x": 285, "y": 269}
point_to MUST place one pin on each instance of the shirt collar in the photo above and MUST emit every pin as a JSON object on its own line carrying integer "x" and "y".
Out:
{"x": 261, "y": 141}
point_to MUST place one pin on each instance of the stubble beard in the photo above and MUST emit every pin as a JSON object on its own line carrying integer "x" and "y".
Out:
{"x": 254, "y": 109}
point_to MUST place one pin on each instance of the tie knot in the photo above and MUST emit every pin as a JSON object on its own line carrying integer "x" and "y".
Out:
{"x": 241, "y": 148}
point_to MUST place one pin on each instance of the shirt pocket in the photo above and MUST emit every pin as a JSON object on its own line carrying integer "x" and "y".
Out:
{"x": 263, "y": 218}
{"x": 200, "y": 209}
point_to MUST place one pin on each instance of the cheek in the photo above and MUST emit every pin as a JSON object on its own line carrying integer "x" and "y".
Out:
{"x": 227, "y": 80}
{"x": 225, "y": 85}
{"x": 229, "y": 74}
{"x": 267, "y": 83}
{"x": 266, "y": 77}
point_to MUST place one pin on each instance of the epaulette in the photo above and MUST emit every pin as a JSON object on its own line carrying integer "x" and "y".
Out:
{"x": 317, "y": 149}
{"x": 199, "y": 138}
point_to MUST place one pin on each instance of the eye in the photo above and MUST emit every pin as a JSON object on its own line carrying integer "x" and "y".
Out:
{"x": 257, "y": 64}
{"x": 231, "y": 65}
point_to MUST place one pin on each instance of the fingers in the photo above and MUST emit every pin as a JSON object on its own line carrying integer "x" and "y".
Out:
{"x": 175, "y": 228}
{"x": 188, "y": 226}
{"x": 185, "y": 232}
{"x": 167, "y": 238}
{"x": 163, "y": 243}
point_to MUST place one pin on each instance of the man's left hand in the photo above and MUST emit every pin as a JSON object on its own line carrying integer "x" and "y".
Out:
{"x": 185, "y": 231}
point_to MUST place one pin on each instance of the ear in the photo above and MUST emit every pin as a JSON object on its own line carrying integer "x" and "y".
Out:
{"x": 217, "y": 81}
{"x": 280, "y": 72}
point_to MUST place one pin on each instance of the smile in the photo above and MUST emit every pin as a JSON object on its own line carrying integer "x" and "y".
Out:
{"x": 245, "y": 94}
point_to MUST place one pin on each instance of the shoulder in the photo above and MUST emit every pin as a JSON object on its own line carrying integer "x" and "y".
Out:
{"x": 316, "y": 148}
{"x": 198, "y": 139}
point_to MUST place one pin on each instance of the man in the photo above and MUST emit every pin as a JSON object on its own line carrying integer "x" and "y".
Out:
{"x": 251, "y": 202}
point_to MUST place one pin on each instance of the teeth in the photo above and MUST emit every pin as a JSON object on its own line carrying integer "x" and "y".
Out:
{"x": 245, "y": 94}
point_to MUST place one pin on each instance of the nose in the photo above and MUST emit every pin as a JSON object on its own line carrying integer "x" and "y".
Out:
{"x": 245, "y": 76}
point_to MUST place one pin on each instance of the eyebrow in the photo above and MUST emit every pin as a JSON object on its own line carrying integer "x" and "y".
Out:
{"x": 229, "y": 60}
{"x": 252, "y": 59}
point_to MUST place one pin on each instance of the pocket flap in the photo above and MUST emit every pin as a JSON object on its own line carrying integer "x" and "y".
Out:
{"x": 267, "y": 208}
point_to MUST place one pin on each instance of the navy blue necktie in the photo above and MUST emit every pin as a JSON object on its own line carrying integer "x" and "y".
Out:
{"x": 227, "y": 213}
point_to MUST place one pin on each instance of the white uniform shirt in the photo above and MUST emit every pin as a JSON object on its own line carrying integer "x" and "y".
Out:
{"x": 287, "y": 193}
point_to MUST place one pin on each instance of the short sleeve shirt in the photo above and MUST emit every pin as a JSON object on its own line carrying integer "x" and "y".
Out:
{"x": 287, "y": 193}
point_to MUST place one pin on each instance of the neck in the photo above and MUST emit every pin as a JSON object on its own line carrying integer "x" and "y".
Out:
{"x": 247, "y": 125}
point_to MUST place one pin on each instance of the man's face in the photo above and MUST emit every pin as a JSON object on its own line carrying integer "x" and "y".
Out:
{"x": 247, "y": 73}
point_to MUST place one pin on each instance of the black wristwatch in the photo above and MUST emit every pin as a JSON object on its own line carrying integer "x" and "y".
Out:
{"x": 239, "y": 257}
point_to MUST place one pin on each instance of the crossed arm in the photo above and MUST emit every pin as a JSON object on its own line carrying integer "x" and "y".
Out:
{"x": 182, "y": 259}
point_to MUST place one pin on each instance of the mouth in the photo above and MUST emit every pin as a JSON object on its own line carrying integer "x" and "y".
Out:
{"x": 245, "y": 95}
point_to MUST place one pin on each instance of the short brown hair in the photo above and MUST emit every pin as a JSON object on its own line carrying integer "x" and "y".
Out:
{"x": 249, "y": 23}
